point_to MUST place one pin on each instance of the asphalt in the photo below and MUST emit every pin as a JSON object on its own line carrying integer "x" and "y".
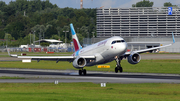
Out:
{"x": 42, "y": 76}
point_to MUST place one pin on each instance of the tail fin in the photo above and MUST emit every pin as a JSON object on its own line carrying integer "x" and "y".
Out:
{"x": 76, "y": 43}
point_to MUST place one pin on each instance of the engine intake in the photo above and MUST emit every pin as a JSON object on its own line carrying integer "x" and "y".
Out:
{"x": 79, "y": 62}
{"x": 134, "y": 58}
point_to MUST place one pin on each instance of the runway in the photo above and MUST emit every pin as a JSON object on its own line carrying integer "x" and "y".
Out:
{"x": 49, "y": 76}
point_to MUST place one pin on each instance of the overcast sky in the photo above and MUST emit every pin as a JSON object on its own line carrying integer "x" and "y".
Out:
{"x": 105, "y": 3}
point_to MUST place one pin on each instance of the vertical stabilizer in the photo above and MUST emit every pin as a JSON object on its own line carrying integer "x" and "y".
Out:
{"x": 76, "y": 43}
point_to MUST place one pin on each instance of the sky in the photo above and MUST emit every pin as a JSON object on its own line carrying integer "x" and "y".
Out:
{"x": 104, "y": 3}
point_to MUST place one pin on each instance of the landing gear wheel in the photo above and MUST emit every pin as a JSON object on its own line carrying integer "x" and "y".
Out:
{"x": 116, "y": 70}
{"x": 118, "y": 65}
{"x": 120, "y": 69}
{"x": 80, "y": 72}
{"x": 84, "y": 72}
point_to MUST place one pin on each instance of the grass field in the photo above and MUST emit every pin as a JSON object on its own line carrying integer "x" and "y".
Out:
{"x": 88, "y": 92}
{"x": 145, "y": 66}
{"x": 7, "y": 77}
{"x": 5, "y": 54}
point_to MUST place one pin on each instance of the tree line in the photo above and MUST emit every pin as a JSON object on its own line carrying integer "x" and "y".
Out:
{"x": 147, "y": 3}
{"x": 22, "y": 19}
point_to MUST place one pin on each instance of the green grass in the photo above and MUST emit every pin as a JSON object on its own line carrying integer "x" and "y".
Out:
{"x": 88, "y": 92}
{"x": 145, "y": 66}
{"x": 7, "y": 77}
{"x": 5, "y": 54}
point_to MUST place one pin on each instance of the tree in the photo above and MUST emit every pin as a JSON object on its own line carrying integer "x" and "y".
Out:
{"x": 42, "y": 18}
{"x": 167, "y": 4}
{"x": 2, "y": 5}
{"x": 43, "y": 29}
{"x": 144, "y": 3}
{"x": 59, "y": 32}
{"x": 18, "y": 26}
{"x": 80, "y": 37}
{"x": 55, "y": 37}
{"x": 8, "y": 38}
{"x": 84, "y": 31}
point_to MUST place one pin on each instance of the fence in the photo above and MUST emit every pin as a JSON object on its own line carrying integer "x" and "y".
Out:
{"x": 40, "y": 49}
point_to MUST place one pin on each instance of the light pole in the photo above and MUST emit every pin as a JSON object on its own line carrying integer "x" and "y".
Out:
{"x": 88, "y": 38}
{"x": 34, "y": 37}
{"x": 58, "y": 29}
{"x": 6, "y": 37}
{"x": 93, "y": 36}
{"x": 65, "y": 35}
{"x": 30, "y": 39}
{"x": 77, "y": 30}
{"x": 59, "y": 35}
{"x": 39, "y": 37}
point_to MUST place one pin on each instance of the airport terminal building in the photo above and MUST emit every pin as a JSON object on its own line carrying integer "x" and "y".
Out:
{"x": 152, "y": 26}
{"x": 138, "y": 21}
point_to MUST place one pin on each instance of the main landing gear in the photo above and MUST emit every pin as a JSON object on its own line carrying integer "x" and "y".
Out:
{"x": 118, "y": 66}
{"x": 83, "y": 71}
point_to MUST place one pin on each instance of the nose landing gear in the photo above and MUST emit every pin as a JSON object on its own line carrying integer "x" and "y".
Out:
{"x": 118, "y": 65}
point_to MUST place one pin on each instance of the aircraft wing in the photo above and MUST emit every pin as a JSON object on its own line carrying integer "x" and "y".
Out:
{"x": 52, "y": 58}
{"x": 149, "y": 49}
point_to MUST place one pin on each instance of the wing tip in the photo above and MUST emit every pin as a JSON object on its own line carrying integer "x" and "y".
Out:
{"x": 173, "y": 38}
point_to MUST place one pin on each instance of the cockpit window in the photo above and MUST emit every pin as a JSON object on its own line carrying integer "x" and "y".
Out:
{"x": 117, "y": 41}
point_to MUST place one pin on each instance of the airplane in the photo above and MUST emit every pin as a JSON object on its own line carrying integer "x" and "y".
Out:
{"x": 114, "y": 48}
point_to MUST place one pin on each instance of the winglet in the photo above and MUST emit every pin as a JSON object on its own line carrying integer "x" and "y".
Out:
{"x": 11, "y": 55}
{"x": 173, "y": 38}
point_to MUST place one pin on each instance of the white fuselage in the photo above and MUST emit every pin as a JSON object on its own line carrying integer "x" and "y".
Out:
{"x": 105, "y": 51}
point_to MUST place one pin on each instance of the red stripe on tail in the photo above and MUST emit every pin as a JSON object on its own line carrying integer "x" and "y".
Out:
{"x": 75, "y": 45}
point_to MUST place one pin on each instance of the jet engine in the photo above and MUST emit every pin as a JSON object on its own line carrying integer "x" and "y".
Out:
{"x": 79, "y": 62}
{"x": 134, "y": 58}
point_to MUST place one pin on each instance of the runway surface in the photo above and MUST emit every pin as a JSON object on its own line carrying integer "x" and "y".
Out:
{"x": 41, "y": 76}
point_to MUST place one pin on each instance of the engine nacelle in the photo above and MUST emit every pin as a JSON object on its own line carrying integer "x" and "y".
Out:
{"x": 79, "y": 62}
{"x": 134, "y": 58}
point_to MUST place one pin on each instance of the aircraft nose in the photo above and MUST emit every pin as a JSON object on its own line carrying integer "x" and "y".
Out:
{"x": 124, "y": 47}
